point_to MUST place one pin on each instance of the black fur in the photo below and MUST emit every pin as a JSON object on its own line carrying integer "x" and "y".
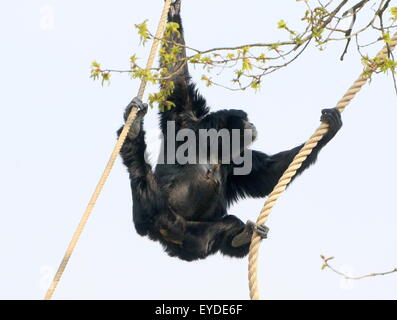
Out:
{"x": 185, "y": 206}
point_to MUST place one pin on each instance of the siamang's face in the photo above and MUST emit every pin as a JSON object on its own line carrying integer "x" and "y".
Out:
{"x": 239, "y": 132}
{"x": 238, "y": 119}
{"x": 227, "y": 133}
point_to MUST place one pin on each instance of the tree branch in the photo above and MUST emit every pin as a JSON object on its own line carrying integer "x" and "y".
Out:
{"x": 326, "y": 265}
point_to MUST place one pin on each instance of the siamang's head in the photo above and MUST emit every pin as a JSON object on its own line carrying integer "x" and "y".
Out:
{"x": 237, "y": 121}
{"x": 231, "y": 131}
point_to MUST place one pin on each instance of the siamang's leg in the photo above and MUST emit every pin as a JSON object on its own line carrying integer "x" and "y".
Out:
{"x": 236, "y": 240}
{"x": 193, "y": 240}
{"x": 204, "y": 238}
{"x": 210, "y": 237}
{"x": 145, "y": 192}
{"x": 196, "y": 239}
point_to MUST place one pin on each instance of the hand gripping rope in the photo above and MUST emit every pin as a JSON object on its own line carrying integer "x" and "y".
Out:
{"x": 279, "y": 188}
{"x": 295, "y": 165}
{"x": 113, "y": 157}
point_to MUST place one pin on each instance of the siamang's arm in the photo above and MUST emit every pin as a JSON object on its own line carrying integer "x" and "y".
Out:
{"x": 267, "y": 170}
{"x": 145, "y": 191}
{"x": 189, "y": 105}
{"x": 179, "y": 70}
{"x": 265, "y": 173}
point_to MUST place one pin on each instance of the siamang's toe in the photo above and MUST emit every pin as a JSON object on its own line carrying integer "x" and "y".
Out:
{"x": 262, "y": 231}
{"x": 246, "y": 235}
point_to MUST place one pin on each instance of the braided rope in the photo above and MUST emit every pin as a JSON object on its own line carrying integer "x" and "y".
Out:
{"x": 295, "y": 165}
{"x": 112, "y": 160}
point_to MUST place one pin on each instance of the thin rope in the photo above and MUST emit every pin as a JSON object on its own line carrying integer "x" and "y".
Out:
{"x": 113, "y": 157}
{"x": 295, "y": 165}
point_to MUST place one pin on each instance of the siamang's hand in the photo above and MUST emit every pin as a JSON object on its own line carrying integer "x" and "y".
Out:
{"x": 334, "y": 119}
{"x": 137, "y": 103}
{"x": 175, "y": 8}
{"x": 137, "y": 124}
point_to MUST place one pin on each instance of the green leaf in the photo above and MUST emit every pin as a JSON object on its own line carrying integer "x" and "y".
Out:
{"x": 208, "y": 81}
{"x": 105, "y": 77}
{"x": 172, "y": 28}
{"x": 247, "y": 65}
{"x": 95, "y": 64}
{"x": 393, "y": 11}
{"x": 282, "y": 24}
{"x": 133, "y": 59}
{"x": 143, "y": 31}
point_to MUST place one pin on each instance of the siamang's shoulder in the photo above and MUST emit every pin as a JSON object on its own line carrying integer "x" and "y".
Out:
{"x": 185, "y": 94}
{"x": 199, "y": 103}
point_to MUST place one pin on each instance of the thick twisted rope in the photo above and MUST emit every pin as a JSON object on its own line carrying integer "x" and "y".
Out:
{"x": 113, "y": 157}
{"x": 295, "y": 165}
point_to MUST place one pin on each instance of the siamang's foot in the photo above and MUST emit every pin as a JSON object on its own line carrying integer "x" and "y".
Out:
{"x": 246, "y": 235}
{"x": 334, "y": 119}
{"x": 175, "y": 8}
{"x": 136, "y": 103}
{"x": 168, "y": 237}
{"x": 262, "y": 231}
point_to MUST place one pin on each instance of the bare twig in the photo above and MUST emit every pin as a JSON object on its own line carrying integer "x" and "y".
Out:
{"x": 251, "y": 62}
{"x": 326, "y": 265}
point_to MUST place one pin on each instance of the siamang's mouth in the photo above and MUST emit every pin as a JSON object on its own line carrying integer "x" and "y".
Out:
{"x": 254, "y": 134}
{"x": 251, "y": 139}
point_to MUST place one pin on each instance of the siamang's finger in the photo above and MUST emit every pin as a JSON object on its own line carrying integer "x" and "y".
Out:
{"x": 325, "y": 118}
{"x": 328, "y": 115}
{"x": 335, "y": 117}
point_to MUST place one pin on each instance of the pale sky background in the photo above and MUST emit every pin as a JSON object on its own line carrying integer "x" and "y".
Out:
{"x": 57, "y": 128}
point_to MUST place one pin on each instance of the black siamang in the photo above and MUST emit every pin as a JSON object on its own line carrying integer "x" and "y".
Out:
{"x": 184, "y": 206}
